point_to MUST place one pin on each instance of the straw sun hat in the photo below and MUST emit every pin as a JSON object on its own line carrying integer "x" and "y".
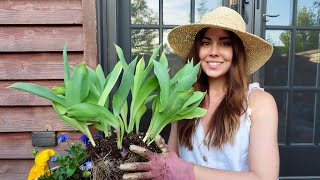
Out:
{"x": 257, "y": 50}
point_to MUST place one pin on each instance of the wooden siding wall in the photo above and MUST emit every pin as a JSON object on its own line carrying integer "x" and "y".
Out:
{"x": 32, "y": 35}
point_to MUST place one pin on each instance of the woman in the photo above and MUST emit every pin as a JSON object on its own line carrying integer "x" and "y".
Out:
{"x": 237, "y": 138}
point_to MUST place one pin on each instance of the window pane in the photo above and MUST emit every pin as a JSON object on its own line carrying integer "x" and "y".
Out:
{"x": 306, "y": 54}
{"x": 175, "y": 62}
{"x": 276, "y": 69}
{"x": 275, "y": 7}
{"x": 302, "y": 117}
{"x": 281, "y": 100}
{"x": 144, "y": 41}
{"x": 176, "y": 12}
{"x": 203, "y": 6}
{"x": 144, "y": 11}
{"x": 166, "y": 47}
{"x": 308, "y": 13}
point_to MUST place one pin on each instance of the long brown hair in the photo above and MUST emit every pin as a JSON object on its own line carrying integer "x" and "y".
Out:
{"x": 226, "y": 119}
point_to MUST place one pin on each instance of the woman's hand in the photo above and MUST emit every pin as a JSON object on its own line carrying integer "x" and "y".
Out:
{"x": 163, "y": 166}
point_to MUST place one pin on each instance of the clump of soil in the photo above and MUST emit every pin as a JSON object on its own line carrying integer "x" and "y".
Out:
{"x": 107, "y": 157}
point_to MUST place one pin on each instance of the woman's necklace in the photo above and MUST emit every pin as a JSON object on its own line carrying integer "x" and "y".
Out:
{"x": 201, "y": 146}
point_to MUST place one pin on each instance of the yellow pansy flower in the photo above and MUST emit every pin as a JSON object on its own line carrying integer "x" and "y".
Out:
{"x": 41, "y": 164}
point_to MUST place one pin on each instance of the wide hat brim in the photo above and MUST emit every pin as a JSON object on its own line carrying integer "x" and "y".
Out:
{"x": 257, "y": 50}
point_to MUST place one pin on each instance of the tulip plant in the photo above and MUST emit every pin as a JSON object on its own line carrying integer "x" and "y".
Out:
{"x": 83, "y": 99}
{"x": 176, "y": 99}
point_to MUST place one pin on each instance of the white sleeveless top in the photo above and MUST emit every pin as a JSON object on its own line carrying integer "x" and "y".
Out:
{"x": 231, "y": 156}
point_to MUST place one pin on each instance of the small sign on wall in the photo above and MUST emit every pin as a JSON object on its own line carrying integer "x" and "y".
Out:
{"x": 44, "y": 138}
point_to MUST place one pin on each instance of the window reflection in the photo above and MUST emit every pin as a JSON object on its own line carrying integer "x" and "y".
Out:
{"x": 281, "y": 100}
{"x": 144, "y": 41}
{"x": 203, "y": 6}
{"x": 277, "y": 67}
{"x": 166, "y": 47}
{"x": 144, "y": 11}
{"x": 306, "y": 54}
{"x": 275, "y": 7}
{"x": 308, "y": 13}
{"x": 175, "y": 62}
{"x": 176, "y": 12}
{"x": 302, "y": 115}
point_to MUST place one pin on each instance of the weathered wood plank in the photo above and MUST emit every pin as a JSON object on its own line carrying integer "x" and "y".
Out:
{"x": 14, "y": 97}
{"x": 40, "y": 12}
{"x": 10, "y": 176}
{"x": 89, "y": 33}
{"x": 29, "y": 66}
{"x": 20, "y": 119}
{"x": 40, "y": 38}
{"x": 19, "y": 169}
{"x": 19, "y": 145}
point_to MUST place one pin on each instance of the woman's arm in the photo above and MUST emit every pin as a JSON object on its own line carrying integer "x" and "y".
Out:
{"x": 173, "y": 138}
{"x": 263, "y": 148}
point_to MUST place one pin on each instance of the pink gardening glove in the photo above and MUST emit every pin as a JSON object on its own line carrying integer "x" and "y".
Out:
{"x": 164, "y": 166}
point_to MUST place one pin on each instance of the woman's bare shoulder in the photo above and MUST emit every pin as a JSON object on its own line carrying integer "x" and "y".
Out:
{"x": 259, "y": 97}
{"x": 263, "y": 105}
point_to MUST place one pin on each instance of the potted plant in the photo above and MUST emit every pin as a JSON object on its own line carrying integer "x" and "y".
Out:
{"x": 83, "y": 101}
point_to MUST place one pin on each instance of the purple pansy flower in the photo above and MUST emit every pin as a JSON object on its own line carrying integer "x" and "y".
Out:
{"x": 88, "y": 165}
{"x": 53, "y": 159}
{"x": 98, "y": 136}
{"x": 63, "y": 138}
{"x": 84, "y": 139}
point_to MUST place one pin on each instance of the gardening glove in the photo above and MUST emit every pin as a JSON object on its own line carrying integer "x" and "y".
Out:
{"x": 163, "y": 166}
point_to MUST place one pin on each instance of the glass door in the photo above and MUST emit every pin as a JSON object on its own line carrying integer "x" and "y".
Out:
{"x": 292, "y": 76}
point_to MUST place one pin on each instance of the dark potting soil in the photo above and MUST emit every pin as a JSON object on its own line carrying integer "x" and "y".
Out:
{"x": 107, "y": 157}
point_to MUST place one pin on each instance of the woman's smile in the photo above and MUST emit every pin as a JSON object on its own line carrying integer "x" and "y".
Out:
{"x": 214, "y": 64}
